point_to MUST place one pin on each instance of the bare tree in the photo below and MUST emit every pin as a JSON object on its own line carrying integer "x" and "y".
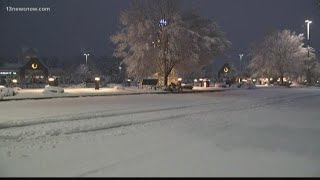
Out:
{"x": 156, "y": 38}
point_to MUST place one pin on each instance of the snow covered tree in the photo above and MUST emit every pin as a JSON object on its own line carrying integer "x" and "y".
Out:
{"x": 280, "y": 53}
{"x": 82, "y": 73}
{"x": 155, "y": 38}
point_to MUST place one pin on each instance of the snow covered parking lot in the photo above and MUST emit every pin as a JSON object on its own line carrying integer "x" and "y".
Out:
{"x": 258, "y": 132}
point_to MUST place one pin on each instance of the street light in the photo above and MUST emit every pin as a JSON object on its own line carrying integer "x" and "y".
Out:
{"x": 308, "y": 34}
{"x": 129, "y": 82}
{"x": 97, "y": 79}
{"x": 85, "y": 54}
{"x": 240, "y": 55}
{"x": 195, "y": 81}
{"x": 51, "y": 81}
{"x": 14, "y": 81}
{"x": 308, "y": 38}
{"x": 201, "y": 82}
{"x": 179, "y": 79}
{"x": 308, "y": 28}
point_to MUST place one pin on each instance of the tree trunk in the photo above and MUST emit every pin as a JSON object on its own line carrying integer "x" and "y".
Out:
{"x": 165, "y": 81}
{"x": 281, "y": 79}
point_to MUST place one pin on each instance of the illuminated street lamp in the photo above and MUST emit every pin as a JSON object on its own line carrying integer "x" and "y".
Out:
{"x": 308, "y": 28}
{"x": 51, "y": 79}
{"x": 86, "y": 54}
{"x": 129, "y": 82}
{"x": 195, "y": 81}
{"x": 240, "y": 55}
{"x": 201, "y": 82}
{"x": 308, "y": 38}
{"x": 179, "y": 79}
{"x": 14, "y": 81}
{"x": 97, "y": 82}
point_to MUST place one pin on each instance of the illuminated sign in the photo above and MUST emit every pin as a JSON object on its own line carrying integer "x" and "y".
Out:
{"x": 6, "y": 73}
{"x": 34, "y": 66}
{"x": 225, "y": 69}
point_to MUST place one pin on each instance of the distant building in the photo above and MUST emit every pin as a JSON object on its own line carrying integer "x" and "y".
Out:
{"x": 224, "y": 71}
{"x": 8, "y": 70}
{"x": 29, "y": 70}
{"x": 34, "y": 71}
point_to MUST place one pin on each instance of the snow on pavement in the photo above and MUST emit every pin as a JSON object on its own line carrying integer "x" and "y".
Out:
{"x": 260, "y": 132}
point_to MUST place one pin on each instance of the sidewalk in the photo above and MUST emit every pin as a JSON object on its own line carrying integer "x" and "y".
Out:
{"x": 35, "y": 94}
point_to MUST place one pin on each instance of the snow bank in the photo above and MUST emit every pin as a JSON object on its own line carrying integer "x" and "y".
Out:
{"x": 296, "y": 85}
{"x": 52, "y": 89}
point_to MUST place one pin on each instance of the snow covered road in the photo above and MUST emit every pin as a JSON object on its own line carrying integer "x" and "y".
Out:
{"x": 260, "y": 132}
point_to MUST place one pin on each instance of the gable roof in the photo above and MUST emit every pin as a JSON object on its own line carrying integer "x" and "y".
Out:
{"x": 35, "y": 59}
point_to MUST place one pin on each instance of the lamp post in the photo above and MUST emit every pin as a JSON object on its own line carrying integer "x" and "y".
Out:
{"x": 195, "y": 81}
{"x": 129, "y": 82}
{"x": 97, "y": 82}
{"x": 179, "y": 84}
{"x": 201, "y": 82}
{"x": 14, "y": 82}
{"x": 86, "y": 54}
{"x": 51, "y": 81}
{"x": 308, "y": 48}
{"x": 120, "y": 77}
{"x": 240, "y": 55}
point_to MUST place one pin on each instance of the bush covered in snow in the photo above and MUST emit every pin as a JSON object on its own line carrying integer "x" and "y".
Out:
{"x": 118, "y": 87}
{"x": 16, "y": 89}
{"x": 4, "y": 91}
{"x": 248, "y": 85}
{"x": 296, "y": 85}
{"x": 52, "y": 89}
{"x": 80, "y": 85}
{"x": 218, "y": 85}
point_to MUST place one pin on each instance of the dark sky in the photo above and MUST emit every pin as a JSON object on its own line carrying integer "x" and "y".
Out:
{"x": 74, "y": 26}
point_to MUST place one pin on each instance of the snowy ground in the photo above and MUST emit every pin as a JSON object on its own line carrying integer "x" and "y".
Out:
{"x": 259, "y": 132}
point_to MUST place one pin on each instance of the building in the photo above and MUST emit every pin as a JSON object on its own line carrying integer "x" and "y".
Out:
{"x": 8, "y": 71}
{"x": 34, "y": 71}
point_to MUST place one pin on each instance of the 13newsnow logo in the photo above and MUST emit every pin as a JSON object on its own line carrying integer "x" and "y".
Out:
{"x": 27, "y": 9}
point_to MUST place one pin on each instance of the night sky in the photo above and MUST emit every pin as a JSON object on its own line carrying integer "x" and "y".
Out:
{"x": 75, "y": 26}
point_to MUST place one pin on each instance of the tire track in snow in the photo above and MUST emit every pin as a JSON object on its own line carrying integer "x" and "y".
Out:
{"x": 21, "y": 123}
{"x": 82, "y": 126}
